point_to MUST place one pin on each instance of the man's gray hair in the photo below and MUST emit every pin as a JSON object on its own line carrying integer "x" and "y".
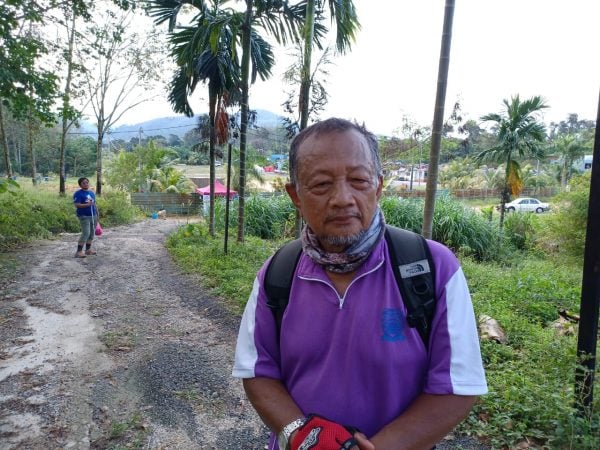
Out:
{"x": 333, "y": 124}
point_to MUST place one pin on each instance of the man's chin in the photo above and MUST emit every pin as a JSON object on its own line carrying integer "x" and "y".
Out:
{"x": 342, "y": 240}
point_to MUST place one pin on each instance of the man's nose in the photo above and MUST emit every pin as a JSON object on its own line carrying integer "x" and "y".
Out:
{"x": 342, "y": 193}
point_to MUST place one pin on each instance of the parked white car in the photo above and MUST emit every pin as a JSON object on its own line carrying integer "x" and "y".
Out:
{"x": 527, "y": 204}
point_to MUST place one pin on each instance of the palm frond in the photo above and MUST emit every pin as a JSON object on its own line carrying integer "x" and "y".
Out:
{"x": 514, "y": 179}
{"x": 168, "y": 10}
{"x": 261, "y": 55}
{"x": 280, "y": 19}
{"x": 343, "y": 13}
{"x": 180, "y": 88}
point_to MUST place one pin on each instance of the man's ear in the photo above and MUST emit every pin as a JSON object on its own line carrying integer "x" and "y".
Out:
{"x": 291, "y": 190}
{"x": 379, "y": 186}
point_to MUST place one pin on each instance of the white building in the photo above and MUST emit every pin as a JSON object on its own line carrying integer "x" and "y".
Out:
{"x": 585, "y": 163}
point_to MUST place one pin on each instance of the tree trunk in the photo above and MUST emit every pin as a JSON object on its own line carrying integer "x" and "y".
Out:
{"x": 305, "y": 82}
{"x": 246, "y": 37}
{"x": 212, "y": 111}
{"x": 30, "y": 148}
{"x": 438, "y": 122}
{"x": 18, "y": 147}
{"x": 99, "y": 157}
{"x": 305, "y": 78}
{"x": 505, "y": 194}
{"x": 66, "y": 109}
{"x": 7, "y": 164}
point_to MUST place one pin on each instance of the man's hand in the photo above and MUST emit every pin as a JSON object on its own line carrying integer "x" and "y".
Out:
{"x": 363, "y": 442}
{"x": 320, "y": 433}
{"x": 427, "y": 420}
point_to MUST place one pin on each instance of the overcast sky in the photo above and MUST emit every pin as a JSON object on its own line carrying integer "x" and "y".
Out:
{"x": 499, "y": 48}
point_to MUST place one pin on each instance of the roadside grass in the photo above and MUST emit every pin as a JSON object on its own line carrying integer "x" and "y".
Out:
{"x": 230, "y": 276}
{"x": 123, "y": 339}
{"x": 188, "y": 394}
{"x": 522, "y": 283}
{"x": 40, "y": 213}
{"x": 129, "y": 434}
{"x": 530, "y": 377}
{"x": 8, "y": 269}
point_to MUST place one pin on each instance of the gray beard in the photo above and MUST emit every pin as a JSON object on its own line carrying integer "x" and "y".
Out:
{"x": 343, "y": 241}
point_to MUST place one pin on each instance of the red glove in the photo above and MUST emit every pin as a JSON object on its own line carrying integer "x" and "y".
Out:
{"x": 318, "y": 433}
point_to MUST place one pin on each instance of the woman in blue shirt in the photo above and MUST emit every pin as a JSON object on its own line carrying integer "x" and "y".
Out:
{"x": 87, "y": 213}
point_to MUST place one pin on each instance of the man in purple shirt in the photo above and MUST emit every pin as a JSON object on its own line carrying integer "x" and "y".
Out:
{"x": 345, "y": 351}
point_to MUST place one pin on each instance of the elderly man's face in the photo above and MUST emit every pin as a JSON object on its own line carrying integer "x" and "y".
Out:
{"x": 337, "y": 188}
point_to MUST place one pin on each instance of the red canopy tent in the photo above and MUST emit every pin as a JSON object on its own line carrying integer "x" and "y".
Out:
{"x": 220, "y": 190}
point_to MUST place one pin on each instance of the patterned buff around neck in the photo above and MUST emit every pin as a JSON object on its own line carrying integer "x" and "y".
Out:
{"x": 352, "y": 257}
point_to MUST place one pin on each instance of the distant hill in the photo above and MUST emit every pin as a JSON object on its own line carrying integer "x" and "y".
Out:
{"x": 178, "y": 125}
{"x": 164, "y": 126}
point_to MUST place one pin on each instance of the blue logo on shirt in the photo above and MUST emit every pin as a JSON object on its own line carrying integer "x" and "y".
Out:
{"x": 392, "y": 325}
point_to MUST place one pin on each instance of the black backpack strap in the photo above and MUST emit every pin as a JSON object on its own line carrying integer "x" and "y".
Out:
{"x": 415, "y": 274}
{"x": 278, "y": 278}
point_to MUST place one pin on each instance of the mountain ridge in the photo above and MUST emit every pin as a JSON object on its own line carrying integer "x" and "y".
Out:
{"x": 178, "y": 125}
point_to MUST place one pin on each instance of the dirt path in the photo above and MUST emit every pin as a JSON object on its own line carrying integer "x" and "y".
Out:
{"x": 118, "y": 350}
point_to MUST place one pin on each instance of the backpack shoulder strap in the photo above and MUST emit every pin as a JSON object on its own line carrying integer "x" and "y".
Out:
{"x": 415, "y": 274}
{"x": 279, "y": 276}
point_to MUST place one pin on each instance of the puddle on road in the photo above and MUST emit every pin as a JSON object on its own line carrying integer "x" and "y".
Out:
{"x": 56, "y": 337}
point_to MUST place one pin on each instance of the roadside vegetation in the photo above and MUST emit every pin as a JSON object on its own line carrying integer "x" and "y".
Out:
{"x": 36, "y": 212}
{"x": 527, "y": 278}
{"x": 524, "y": 278}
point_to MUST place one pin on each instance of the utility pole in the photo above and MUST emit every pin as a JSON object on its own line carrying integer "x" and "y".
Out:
{"x": 590, "y": 291}
{"x": 229, "y": 145}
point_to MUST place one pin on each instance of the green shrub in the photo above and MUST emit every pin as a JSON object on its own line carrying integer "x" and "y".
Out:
{"x": 29, "y": 214}
{"x": 115, "y": 208}
{"x": 520, "y": 229}
{"x": 269, "y": 217}
{"x": 403, "y": 213}
{"x": 228, "y": 276}
{"x": 564, "y": 231}
{"x": 461, "y": 228}
{"x": 531, "y": 378}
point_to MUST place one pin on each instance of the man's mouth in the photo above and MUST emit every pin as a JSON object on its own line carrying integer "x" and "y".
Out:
{"x": 343, "y": 218}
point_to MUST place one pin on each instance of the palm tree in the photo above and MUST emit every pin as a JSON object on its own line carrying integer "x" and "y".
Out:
{"x": 519, "y": 134}
{"x": 438, "y": 118}
{"x": 570, "y": 148}
{"x": 269, "y": 14}
{"x": 283, "y": 21}
{"x": 343, "y": 13}
{"x": 318, "y": 93}
{"x": 203, "y": 52}
{"x": 169, "y": 179}
{"x": 218, "y": 32}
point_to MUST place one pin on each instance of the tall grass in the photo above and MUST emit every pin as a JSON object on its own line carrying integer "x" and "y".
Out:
{"x": 265, "y": 217}
{"x": 40, "y": 214}
{"x": 461, "y": 228}
{"x": 228, "y": 276}
{"x": 531, "y": 376}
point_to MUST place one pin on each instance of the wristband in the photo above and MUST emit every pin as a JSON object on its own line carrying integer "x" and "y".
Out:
{"x": 283, "y": 438}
